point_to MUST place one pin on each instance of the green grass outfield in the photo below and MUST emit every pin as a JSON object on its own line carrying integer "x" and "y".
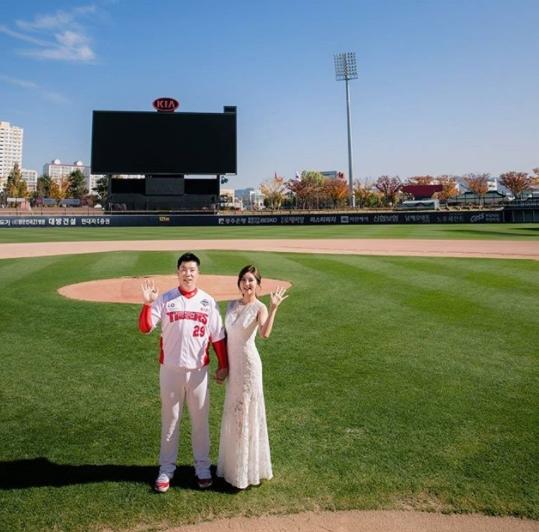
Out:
{"x": 432, "y": 231}
{"x": 390, "y": 383}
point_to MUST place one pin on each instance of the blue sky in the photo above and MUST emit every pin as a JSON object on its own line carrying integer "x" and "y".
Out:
{"x": 445, "y": 86}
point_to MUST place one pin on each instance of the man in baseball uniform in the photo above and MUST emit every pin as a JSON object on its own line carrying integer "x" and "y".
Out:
{"x": 190, "y": 321}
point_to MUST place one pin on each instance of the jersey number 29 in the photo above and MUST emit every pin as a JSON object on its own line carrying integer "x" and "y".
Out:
{"x": 199, "y": 330}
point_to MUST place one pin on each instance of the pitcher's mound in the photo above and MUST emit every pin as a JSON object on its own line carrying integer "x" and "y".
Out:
{"x": 128, "y": 289}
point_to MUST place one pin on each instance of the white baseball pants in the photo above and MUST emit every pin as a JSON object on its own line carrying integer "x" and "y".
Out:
{"x": 179, "y": 385}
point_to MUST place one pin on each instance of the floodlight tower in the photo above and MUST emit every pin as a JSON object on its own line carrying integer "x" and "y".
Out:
{"x": 346, "y": 69}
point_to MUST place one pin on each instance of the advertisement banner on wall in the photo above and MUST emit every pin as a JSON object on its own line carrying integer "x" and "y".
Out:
{"x": 369, "y": 218}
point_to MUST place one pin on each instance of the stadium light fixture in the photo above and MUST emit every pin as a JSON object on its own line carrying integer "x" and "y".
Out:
{"x": 345, "y": 70}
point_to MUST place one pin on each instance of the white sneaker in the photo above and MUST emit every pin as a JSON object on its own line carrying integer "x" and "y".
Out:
{"x": 162, "y": 483}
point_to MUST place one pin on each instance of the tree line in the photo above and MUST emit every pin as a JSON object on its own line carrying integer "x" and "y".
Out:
{"x": 311, "y": 190}
{"x": 72, "y": 186}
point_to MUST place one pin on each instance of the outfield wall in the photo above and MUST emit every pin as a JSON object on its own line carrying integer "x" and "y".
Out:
{"x": 369, "y": 218}
{"x": 520, "y": 216}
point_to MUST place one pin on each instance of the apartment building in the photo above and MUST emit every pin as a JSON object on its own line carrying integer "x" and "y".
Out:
{"x": 11, "y": 138}
{"x": 30, "y": 176}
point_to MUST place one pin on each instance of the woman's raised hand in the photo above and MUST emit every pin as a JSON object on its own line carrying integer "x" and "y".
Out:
{"x": 278, "y": 297}
{"x": 149, "y": 291}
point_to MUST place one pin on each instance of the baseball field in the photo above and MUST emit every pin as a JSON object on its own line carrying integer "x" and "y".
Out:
{"x": 391, "y": 382}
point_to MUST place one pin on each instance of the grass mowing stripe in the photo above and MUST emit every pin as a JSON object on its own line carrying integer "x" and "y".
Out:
{"x": 371, "y": 402}
{"x": 12, "y": 270}
{"x": 424, "y": 286}
{"x": 107, "y": 261}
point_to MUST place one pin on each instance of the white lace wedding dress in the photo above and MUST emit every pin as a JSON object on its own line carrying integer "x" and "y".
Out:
{"x": 244, "y": 453}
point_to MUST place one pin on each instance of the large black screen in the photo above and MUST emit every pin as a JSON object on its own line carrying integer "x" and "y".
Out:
{"x": 125, "y": 142}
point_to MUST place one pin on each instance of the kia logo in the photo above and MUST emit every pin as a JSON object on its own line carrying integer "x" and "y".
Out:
{"x": 166, "y": 105}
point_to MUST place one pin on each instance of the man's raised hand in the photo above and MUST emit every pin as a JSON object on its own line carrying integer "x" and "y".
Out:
{"x": 149, "y": 291}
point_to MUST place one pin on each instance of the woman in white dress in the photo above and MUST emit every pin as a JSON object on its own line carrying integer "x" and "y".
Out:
{"x": 244, "y": 453}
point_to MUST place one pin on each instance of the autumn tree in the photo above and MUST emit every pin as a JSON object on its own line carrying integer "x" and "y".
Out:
{"x": 535, "y": 178}
{"x": 336, "y": 191}
{"x": 16, "y": 186}
{"x": 478, "y": 184}
{"x": 308, "y": 189}
{"x": 315, "y": 186}
{"x": 274, "y": 190}
{"x": 59, "y": 188}
{"x": 301, "y": 191}
{"x": 450, "y": 187}
{"x": 314, "y": 178}
{"x": 366, "y": 197}
{"x": 516, "y": 182}
{"x": 389, "y": 187}
{"x": 361, "y": 193}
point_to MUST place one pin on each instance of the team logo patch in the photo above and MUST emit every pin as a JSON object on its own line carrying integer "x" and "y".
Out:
{"x": 205, "y": 303}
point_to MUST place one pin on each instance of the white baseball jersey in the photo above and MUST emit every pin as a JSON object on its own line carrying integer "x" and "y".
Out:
{"x": 189, "y": 323}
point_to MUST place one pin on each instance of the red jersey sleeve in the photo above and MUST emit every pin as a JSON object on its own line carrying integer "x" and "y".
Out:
{"x": 220, "y": 350}
{"x": 145, "y": 319}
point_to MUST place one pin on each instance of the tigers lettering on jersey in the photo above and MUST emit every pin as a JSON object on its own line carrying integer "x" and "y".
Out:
{"x": 186, "y": 315}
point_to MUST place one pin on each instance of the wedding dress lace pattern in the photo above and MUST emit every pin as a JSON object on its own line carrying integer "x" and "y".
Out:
{"x": 244, "y": 453}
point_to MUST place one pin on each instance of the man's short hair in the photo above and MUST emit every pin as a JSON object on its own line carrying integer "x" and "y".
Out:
{"x": 188, "y": 257}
